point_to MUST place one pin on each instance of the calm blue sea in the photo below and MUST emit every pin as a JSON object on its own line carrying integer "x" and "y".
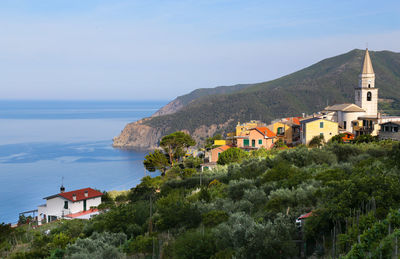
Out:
{"x": 43, "y": 141}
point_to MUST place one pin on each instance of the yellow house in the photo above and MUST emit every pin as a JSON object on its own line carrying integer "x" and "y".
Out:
{"x": 287, "y": 130}
{"x": 219, "y": 142}
{"x": 318, "y": 127}
{"x": 245, "y": 127}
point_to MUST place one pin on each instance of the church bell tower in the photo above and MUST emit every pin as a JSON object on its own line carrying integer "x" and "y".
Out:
{"x": 366, "y": 95}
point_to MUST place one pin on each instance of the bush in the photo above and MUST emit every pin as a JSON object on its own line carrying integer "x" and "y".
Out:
{"x": 232, "y": 155}
{"x": 214, "y": 217}
{"x": 141, "y": 244}
{"x": 104, "y": 245}
{"x": 195, "y": 244}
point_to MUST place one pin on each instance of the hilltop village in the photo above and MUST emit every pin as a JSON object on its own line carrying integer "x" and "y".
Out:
{"x": 325, "y": 185}
{"x": 347, "y": 121}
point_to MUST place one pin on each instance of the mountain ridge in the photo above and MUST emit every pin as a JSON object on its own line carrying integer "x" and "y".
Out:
{"x": 329, "y": 81}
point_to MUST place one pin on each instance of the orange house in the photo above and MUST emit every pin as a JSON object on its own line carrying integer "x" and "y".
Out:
{"x": 216, "y": 151}
{"x": 256, "y": 138}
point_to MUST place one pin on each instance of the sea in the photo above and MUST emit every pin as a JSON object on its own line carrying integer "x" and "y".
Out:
{"x": 44, "y": 144}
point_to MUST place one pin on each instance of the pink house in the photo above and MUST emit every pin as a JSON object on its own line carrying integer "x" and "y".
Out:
{"x": 256, "y": 138}
{"x": 216, "y": 151}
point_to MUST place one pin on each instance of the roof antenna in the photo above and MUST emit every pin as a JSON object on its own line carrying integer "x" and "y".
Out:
{"x": 62, "y": 188}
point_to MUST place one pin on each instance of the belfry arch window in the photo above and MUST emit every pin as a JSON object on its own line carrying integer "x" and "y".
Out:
{"x": 369, "y": 96}
{"x": 369, "y": 85}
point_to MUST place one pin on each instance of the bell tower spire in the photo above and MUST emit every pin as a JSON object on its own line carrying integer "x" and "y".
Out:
{"x": 366, "y": 95}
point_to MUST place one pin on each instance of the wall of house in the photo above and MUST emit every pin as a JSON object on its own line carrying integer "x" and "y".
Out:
{"x": 219, "y": 142}
{"x": 348, "y": 117}
{"x": 78, "y": 205}
{"x": 389, "y": 135}
{"x": 287, "y": 137}
{"x": 215, "y": 154}
{"x": 239, "y": 142}
{"x": 313, "y": 129}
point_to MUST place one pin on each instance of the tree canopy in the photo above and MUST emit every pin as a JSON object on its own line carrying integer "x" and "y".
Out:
{"x": 231, "y": 155}
{"x": 156, "y": 161}
{"x": 175, "y": 145}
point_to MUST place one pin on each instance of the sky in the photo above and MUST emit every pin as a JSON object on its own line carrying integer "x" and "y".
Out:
{"x": 157, "y": 50}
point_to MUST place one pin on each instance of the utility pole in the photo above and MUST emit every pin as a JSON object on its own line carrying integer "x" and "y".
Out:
{"x": 151, "y": 215}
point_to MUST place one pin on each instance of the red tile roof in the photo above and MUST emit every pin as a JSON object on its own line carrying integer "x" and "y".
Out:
{"x": 266, "y": 132}
{"x": 223, "y": 148}
{"x": 295, "y": 120}
{"x": 82, "y": 213}
{"x": 80, "y": 194}
{"x": 304, "y": 216}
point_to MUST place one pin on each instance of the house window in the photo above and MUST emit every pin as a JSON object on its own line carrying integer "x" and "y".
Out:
{"x": 321, "y": 134}
{"x": 253, "y": 142}
{"x": 369, "y": 96}
{"x": 219, "y": 153}
{"x": 260, "y": 142}
{"x": 280, "y": 131}
{"x": 66, "y": 205}
{"x": 321, "y": 124}
{"x": 246, "y": 142}
{"x": 344, "y": 124}
{"x": 396, "y": 129}
{"x": 369, "y": 85}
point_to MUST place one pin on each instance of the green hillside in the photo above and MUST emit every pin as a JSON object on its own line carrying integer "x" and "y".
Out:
{"x": 309, "y": 90}
{"x": 201, "y": 92}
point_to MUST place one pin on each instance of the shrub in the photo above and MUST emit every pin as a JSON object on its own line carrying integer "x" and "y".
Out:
{"x": 214, "y": 217}
{"x": 195, "y": 244}
{"x": 232, "y": 155}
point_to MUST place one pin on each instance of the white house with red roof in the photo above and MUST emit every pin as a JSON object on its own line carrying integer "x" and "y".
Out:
{"x": 69, "y": 205}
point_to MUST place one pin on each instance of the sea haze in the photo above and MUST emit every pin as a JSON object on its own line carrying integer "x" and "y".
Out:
{"x": 43, "y": 141}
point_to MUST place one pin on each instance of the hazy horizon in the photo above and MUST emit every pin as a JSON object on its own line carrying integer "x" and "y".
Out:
{"x": 156, "y": 50}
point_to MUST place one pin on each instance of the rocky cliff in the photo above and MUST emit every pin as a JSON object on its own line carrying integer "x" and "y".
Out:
{"x": 137, "y": 135}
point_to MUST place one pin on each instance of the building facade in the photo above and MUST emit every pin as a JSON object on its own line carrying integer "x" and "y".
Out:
{"x": 313, "y": 127}
{"x": 255, "y": 138}
{"x": 64, "y": 204}
{"x": 390, "y": 130}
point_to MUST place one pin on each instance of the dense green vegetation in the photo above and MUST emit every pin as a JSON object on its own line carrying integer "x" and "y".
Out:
{"x": 242, "y": 210}
{"x": 309, "y": 90}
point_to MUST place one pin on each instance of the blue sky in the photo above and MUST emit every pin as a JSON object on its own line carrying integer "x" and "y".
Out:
{"x": 94, "y": 49}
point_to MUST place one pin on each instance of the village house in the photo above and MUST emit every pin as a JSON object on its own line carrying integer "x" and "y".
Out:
{"x": 215, "y": 152}
{"x": 74, "y": 204}
{"x": 287, "y": 130}
{"x": 390, "y": 130}
{"x": 316, "y": 126}
{"x": 255, "y": 138}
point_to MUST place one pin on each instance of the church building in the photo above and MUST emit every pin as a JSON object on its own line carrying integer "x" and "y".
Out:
{"x": 361, "y": 117}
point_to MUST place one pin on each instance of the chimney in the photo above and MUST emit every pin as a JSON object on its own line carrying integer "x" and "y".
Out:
{"x": 74, "y": 197}
{"x": 62, "y": 189}
{"x": 86, "y": 193}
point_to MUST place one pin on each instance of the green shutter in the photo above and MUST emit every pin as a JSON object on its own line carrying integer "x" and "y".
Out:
{"x": 260, "y": 141}
{"x": 321, "y": 124}
{"x": 246, "y": 142}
